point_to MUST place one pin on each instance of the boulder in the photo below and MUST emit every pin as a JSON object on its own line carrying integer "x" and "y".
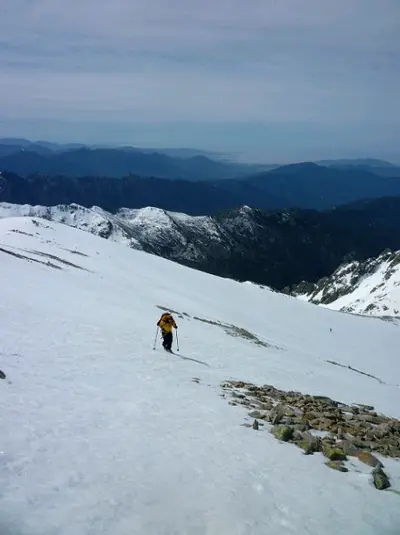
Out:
{"x": 323, "y": 424}
{"x": 277, "y": 413}
{"x": 326, "y": 400}
{"x": 309, "y": 443}
{"x": 239, "y": 384}
{"x": 370, "y": 419}
{"x": 301, "y": 426}
{"x": 382, "y": 430}
{"x": 348, "y": 447}
{"x": 380, "y": 479}
{"x": 337, "y": 465}
{"x": 282, "y": 432}
{"x": 266, "y": 405}
{"x": 333, "y": 453}
{"x": 364, "y": 407}
{"x": 369, "y": 459}
{"x": 258, "y": 415}
{"x": 2, "y": 374}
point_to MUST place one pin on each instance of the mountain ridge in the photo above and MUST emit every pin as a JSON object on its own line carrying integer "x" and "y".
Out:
{"x": 306, "y": 186}
{"x": 274, "y": 248}
{"x": 118, "y": 162}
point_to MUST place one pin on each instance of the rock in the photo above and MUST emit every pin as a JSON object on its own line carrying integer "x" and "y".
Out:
{"x": 322, "y": 424}
{"x": 257, "y": 414}
{"x": 239, "y": 384}
{"x": 311, "y": 416}
{"x": 255, "y": 425}
{"x": 286, "y": 420}
{"x": 269, "y": 388}
{"x": 333, "y": 453}
{"x": 337, "y": 465}
{"x": 331, "y": 415}
{"x": 327, "y": 400}
{"x": 365, "y": 407}
{"x": 282, "y": 432}
{"x": 297, "y": 435}
{"x": 276, "y": 414}
{"x": 2, "y": 374}
{"x": 266, "y": 405}
{"x": 290, "y": 412}
{"x": 348, "y": 447}
{"x": 355, "y": 431}
{"x": 382, "y": 430}
{"x": 309, "y": 443}
{"x": 239, "y": 396}
{"x": 369, "y": 459}
{"x": 370, "y": 419}
{"x": 301, "y": 426}
{"x": 380, "y": 479}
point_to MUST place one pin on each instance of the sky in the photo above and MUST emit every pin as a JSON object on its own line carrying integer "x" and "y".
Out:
{"x": 268, "y": 80}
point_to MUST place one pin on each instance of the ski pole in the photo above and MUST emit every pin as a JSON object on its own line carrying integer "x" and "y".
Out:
{"x": 155, "y": 339}
{"x": 177, "y": 341}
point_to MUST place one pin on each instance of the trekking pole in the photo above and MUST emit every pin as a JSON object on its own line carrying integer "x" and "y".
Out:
{"x": 155, "y": 339}
{"x": 177, "y": 341}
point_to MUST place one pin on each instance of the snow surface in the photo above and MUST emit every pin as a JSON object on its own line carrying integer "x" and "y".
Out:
{"x": 101, "y": 435}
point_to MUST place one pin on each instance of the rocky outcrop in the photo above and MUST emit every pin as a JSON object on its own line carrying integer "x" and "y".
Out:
{"x": 372, "y": 282}
{"x": 318, "y": 424}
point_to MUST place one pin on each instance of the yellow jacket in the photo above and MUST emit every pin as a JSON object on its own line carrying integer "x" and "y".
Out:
{"x": 167, "y": 323}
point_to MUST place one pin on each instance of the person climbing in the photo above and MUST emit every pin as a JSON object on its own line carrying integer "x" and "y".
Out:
{"x": 166, "y": 324}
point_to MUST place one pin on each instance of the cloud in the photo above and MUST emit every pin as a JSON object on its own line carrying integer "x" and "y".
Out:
{"x": 221, "y": 60}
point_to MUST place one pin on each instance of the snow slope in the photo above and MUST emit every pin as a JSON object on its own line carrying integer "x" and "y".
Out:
{"x": 102, "y": 435}
{"x": 371, "y": 287}
{"x": 151, "y": 229}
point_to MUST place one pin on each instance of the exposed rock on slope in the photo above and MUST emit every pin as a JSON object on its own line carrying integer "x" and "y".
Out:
{"x": 371, "y": 287}
{"x": 318, "y": 424}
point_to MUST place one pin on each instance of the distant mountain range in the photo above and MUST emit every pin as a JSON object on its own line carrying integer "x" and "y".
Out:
{"x": 25, "y": 158}
{"x": 378, "y": 167}
{"x": 304, "y": 185}
{"x": 278, "y": 249}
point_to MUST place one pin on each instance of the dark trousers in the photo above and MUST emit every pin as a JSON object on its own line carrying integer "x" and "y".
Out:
{"x": 167, "y": 340}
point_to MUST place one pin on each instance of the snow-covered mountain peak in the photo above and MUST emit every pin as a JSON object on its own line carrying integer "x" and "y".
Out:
{"x": 371, "y": 287}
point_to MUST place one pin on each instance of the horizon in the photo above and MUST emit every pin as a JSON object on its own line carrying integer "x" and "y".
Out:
{"x": 273, "y": 82}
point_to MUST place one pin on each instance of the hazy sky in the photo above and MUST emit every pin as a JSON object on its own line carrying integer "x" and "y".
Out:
{"x": 276, "y": 80}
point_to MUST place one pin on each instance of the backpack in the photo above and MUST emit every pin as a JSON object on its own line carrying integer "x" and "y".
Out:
{"x": 166, "y": 318}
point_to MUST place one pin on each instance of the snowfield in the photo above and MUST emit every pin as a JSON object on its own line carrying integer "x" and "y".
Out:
{"x": 101, "y": 435}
